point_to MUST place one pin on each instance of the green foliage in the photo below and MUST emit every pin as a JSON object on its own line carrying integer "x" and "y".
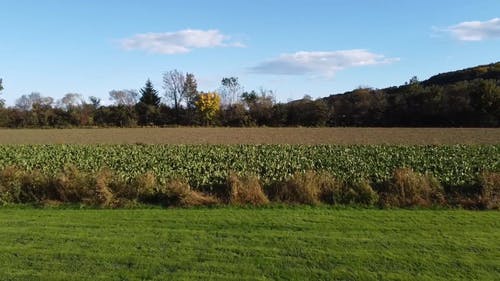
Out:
{"x": 190, "y": 90}
{"x": 490, "y": 71}
{"x": 207, "y": 166}
{"x": 149, "y": 95}
{"x": 306, "y": 112}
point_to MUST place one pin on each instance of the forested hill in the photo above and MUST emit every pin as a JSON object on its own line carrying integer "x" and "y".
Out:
{"x": 490, "y": 71}
{"x": 463, "y": 98}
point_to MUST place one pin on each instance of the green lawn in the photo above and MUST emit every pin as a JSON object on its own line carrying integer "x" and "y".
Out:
{"x": 300, "y": 243}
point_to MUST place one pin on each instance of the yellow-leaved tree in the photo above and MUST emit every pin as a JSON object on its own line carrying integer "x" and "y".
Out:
{"x": 208, "y": 105}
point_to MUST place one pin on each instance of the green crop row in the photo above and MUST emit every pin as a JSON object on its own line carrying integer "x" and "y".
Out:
{"x": 209, "y": 165}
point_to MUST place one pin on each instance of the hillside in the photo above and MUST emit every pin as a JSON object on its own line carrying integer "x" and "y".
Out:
{"x": 464, "y": 98}
{"x": 490, "y": 71}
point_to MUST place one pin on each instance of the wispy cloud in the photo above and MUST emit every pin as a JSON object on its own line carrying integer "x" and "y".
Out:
{"x": 475, "y": 30}
{"x": 322, "y": 63}
{"x": 178, "y": 42}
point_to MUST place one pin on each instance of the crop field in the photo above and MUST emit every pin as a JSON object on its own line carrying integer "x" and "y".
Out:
{"x": 343, "y": 136}
{"x": 209, "y": 165}
{"x": 249, "y": 244}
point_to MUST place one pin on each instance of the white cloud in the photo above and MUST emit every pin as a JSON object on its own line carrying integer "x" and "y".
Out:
{"x": 178, "y": 42}
{"x": 322, "y": 63}
{"x": 475, "y": 30}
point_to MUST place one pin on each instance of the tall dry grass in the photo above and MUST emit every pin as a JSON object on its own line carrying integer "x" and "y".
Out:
{"x": 245, "y": 190}
{"x": 408, "y": 188}
{"x": 490, "y": 190}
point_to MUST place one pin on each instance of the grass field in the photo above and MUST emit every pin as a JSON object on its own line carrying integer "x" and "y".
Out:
{"x": 253, "y": 136}
{"x": 249, "y": 244}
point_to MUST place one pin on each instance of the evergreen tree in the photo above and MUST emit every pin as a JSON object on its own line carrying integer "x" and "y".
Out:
{"x": 147, "y": 108}
{"x": 149, "y": 95}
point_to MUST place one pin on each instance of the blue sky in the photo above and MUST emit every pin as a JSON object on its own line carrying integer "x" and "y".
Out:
{"x": 314, "y": 47}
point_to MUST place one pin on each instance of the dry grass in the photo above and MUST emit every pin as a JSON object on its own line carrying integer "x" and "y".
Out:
{"x": 490, "y": 190}
{"x": 358, "y": 192}
{"x": 301, "y": 188}
{"x": 313, "y": 188}
{"x": 179, "y": 193}
{"x": 246, "y": 190}
{"x": 187, "y": 135}
{"x": 408, "y": 188}
{"x": 105, "y": 189}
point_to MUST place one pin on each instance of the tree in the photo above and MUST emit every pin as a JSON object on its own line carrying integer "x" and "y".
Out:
{"x": 27, "y": 102}
{"x": 190, "y": 90}
{"x": 71, "y": 100}
{"x": 115, "y": 115}
{"x": 249, "y": 98}
{"x": 307, "y": 112}
{"x": 173, "y": 83}
{"x": 2, "y": 101}
{"x": 123, "y": 97}
{"x": 36, "y": 110}
{"x": 413, "y": 80}
{"x": 148, "y": 106}
{"x": 230, "y": 90}
{"x": 74, "y": 110}
{"x": 260, "y": 106}
{"x": 208, "y": 105}
{"x": 95, "y": 102}
{"x": 149, "y": 95}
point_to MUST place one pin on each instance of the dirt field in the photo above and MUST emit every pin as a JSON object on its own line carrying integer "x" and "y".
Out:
{"x": 252, "y": 136}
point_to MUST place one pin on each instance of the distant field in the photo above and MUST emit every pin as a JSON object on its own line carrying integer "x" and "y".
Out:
{"x": 253, "y": 136}
{"x": 249, "y": 244}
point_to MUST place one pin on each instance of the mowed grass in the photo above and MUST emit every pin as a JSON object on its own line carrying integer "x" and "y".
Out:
{"x": 188, "y": 135}
{"x": 295, "y": 243}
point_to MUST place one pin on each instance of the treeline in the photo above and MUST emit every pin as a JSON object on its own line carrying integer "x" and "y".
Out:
{"x": 474, "y": 103}
{"x": 180, "y": 104}
{"x": 465, "y": 98}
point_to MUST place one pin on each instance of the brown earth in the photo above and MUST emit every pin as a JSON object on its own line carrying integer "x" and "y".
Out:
{"x": 189, "y": 135}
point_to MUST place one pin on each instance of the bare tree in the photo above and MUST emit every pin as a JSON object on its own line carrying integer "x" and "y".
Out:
{"x": 174, "y": 83}
{"x": 231, "y": 90}
{"x": 26, "y": 102}
{"x": 124, "y": 97}
{"x": 71, "y": 100}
